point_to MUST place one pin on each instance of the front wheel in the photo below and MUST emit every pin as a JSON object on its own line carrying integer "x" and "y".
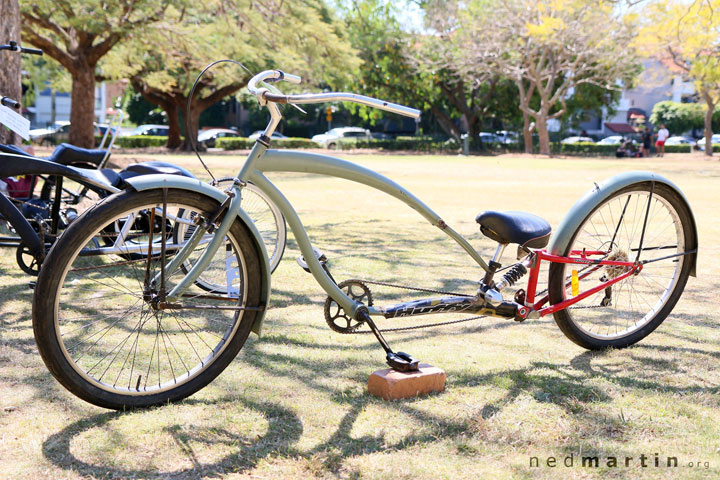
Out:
{"x": 629, "y": 310}
{"x": 97, "y": 321}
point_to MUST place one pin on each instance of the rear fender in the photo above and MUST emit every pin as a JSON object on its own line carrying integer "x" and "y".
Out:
{"x": 147, "y": 182}
{"x": 582, "y": 208}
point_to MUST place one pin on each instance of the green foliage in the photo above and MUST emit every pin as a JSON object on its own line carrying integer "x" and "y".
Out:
{"x": 588, "y": 99}
{"x": 682, "y": 148}
{"x": 585, "y": 148}
{"x": 140, "y": 111}
{"x": 40, "y": 73}
{"x": 240, "y": 143}
{"x": 678, "y": 117}
{"x": 414, "y": 144}
{"x": 137, "y": 141}
{"x": 593, "y": 149}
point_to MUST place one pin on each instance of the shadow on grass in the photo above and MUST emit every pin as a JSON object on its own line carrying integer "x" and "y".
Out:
{"x": 561, "y": 384}
{"x": 284, "y": 429}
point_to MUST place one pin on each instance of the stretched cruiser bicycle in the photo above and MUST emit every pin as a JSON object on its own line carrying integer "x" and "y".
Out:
{"x": 121, "y": 321}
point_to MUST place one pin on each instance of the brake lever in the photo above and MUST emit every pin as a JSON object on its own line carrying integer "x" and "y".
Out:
{"x": 277, "y": 91}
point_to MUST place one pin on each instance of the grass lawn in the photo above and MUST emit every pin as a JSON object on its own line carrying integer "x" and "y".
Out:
{"x": 294, "y": 403}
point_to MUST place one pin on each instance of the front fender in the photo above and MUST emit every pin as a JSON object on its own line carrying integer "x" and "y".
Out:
{"x": 582, "y": 208}
{"x": 146, "y": 182}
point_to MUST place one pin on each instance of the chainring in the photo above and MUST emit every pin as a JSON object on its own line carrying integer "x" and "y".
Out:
{"x": 335, "y": 315}
{"x": 26, "y": 261}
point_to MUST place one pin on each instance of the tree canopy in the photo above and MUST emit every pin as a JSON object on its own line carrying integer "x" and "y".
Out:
{"x": 78, "y": 34}
{"x": 163, "y": 60}
{"x": 686, "y": 36}
{"x": 546, "y": 47}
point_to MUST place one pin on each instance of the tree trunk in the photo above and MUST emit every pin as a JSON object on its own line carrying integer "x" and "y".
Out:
{"x": 527, "y": 134}
{"x": 82, "y": 108}
{"x": 173, "y": 117}
{"x": 542, "y": 129}
{"x": 10, "y": 61}
{"x": 708, "y": 125}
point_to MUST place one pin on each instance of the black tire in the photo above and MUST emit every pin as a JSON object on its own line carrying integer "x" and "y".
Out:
{"x": 79, "y": 314}
{"x": 656, "y": 288}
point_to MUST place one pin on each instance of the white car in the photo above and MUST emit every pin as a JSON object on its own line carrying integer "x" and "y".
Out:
{"x": 577, "y": 140}
{"x": 53, "y": 134}
{"x": 275, "y": 135}
{"x": 153, "y": 130}
{"x": 330, "y": 139}
{"x": 680, "y": 140}
{"x": 506, "y": 136}
{"x": 487, "y": 137}
{"x": 713, "y": 140}
{"x": 209, "y": 137}
{"x": 611, "y": 140}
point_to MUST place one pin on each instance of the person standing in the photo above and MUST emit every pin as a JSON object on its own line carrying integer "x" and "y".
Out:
{"x": 662, "y": 135}
{"x": 646, "y": 142}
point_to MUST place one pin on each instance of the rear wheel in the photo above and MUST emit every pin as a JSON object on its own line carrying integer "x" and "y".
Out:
{"x": 97, "y": 316}
{"x": 629, "y": 310}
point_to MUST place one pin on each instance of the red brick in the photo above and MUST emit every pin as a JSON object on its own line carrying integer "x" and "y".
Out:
{"x": 390, "y": 384}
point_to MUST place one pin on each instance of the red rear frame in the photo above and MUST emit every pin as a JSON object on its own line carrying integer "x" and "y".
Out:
{"x": 577, "y": 257}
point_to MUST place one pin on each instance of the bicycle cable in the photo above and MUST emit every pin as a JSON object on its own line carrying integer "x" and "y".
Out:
{"x": 193, "y": 141}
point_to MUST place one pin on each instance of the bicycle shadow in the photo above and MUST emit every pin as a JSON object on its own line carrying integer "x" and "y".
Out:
{"x": 564, "y": 385}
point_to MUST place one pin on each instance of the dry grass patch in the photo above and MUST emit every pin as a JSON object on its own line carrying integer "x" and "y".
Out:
{"x": 294, "y": 403}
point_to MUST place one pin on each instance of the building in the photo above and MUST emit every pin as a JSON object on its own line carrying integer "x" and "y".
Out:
{"x": 52, "y": 106}
{"x": 659, "y": 81}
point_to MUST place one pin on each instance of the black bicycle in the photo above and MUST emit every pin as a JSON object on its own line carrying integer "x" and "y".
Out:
{"x": 74, "y": 179}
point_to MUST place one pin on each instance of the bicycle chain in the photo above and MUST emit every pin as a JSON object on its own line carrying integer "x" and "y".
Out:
{"x": 416, "y": 289}
{"x": 416, "y": 327}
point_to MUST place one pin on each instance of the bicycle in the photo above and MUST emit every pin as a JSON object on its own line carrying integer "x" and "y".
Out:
{"x": 37, "y": 220}
{"x": 134, "y": 333}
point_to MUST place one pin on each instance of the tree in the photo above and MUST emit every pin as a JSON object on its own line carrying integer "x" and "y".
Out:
{"x": 687, "y": 36}
{"x": 546, "y": 47}
{"x": 78, "y": 34}
{"x": 10, "y": 61}
{"x": 678, "y": 117}
{"x": 404, "y": 67}
{"x": 163, "y": 60}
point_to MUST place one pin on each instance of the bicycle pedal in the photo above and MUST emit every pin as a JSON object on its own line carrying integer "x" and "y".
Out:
{"x": 318, "y": 254}
{"x": 402, "y": 362}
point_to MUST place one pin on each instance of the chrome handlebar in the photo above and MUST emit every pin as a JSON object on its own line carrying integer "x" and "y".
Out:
{"x": 264, "y": 95}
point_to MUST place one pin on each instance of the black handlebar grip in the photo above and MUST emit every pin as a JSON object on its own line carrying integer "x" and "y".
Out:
{"x": 9, "y": 102}
{"x": 32, "y": 51}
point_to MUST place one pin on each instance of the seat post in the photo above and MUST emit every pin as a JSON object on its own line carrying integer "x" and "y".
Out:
{"x": 494, "y": 264}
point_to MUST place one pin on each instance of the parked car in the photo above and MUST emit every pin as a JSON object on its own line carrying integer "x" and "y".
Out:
{"x": 330, "y": 139}
{"x": 275, "y": 135}
{"x": 682, "y": 140}
{"x": 54, "y": 134}
{"x": 715, "y": 139}
{"x": 611, "y": 140}
{"x": 577, "y": 140}
{"x": 208, "y": 137}
{"x": 488, "y": 138}
{"x": 152, "y": 130}
{"x": 506, "y": 136}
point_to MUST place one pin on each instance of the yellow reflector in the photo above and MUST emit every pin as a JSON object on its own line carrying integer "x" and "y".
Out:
{"x": 575, "y": 283}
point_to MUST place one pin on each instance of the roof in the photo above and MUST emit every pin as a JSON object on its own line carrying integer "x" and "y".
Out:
{"x": 620, "y": 127}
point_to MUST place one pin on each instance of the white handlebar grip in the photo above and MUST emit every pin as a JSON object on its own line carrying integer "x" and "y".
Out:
{"x": 289, "y": 77}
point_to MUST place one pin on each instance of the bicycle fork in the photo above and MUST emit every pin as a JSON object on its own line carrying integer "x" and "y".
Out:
{"x": 231, "y": 208}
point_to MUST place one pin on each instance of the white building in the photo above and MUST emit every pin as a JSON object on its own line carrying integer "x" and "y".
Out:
{"x": 43, "y": 110}
{"x": 659, "y": 81}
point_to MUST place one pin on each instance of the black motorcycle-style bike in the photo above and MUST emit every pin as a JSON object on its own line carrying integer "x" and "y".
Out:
{"x": 73, "y": 178}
